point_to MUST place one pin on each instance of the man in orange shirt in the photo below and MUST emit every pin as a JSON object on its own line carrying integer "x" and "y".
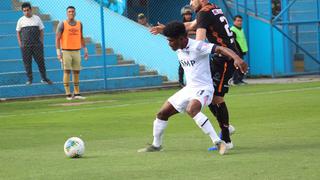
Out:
{"x": 69, "y": 38}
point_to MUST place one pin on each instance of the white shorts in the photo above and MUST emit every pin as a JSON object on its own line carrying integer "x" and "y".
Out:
{"x": 181, "y": 99}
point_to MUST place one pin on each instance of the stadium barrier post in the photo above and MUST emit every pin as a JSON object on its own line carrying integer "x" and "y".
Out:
{"x": 103, "y": 45}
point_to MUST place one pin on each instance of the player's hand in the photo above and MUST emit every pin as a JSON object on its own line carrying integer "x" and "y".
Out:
{"x": 157, "y": 29}
{"x": 240, "y": 64}
{"x": 86, "y": 56}
{"x": 59, "y": 58}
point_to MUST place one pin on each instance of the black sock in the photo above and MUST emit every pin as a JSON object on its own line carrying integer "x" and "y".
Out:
{"x": 223, "y": 119}
{"x": 213, "y": 109}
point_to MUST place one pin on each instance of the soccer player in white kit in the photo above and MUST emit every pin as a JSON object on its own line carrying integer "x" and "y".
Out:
{"x": 194, "y": 58}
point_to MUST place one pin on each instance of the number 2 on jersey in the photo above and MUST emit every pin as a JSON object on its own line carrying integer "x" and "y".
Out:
{"x": 223, "y": 19}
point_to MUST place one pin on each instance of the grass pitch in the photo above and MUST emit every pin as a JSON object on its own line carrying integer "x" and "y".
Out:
{"x": 277, "y": 137}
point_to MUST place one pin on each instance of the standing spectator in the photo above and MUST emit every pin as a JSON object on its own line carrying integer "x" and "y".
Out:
{"x": 242, "y": 46}
{"x": 142, "y": 19}
{"x": 69, "y": 37}
{"x": 186, "y": 13}
{"x": 30, "y": 38}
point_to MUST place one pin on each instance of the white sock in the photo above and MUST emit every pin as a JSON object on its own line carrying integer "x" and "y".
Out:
{"x": 206, "y": 126}
{"x": 158, "y": 128}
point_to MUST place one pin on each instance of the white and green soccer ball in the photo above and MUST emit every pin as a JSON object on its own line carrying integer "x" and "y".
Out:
{"x": 74, "y": 147}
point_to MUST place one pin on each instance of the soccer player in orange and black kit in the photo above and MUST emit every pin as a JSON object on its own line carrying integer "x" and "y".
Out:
{"x": 213, "y": 25}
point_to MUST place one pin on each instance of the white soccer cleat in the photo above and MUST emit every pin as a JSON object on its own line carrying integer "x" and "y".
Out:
{"x": 229, "y": 145}
{"x": 222, "y": 147}
{"x": 231, "y": 129}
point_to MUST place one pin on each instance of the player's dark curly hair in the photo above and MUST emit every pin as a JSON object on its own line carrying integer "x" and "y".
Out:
{"x": 175, "y": 29}
{"x": 26, "y": 5}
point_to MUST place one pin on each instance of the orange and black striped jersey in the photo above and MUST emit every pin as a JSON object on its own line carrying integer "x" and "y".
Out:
{"x": 211, "y": 18}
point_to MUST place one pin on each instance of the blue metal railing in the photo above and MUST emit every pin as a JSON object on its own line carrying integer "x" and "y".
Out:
{"x": 279, "y": 21}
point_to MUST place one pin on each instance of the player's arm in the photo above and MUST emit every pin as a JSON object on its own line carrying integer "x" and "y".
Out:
{"x": 238, "y": 62}
{"x": 18, "y": 29}
{"x": 19, "y": 38}
{"x": 41, "y": 28}
{"x": 201, "y": 34}
{"x": 42, "y": 36}
{"x": 83, "y": 45}
{"x": 190, "y": 26}
{"x": 202, "y": 25}
{"x": 58, "y": 38}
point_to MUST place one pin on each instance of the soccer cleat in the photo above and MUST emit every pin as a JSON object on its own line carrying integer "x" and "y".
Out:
{"x": 69, "y": 97}
{"x": 150, "y": 148}
{"x": 231, "y": 131}
{"x": 46, "y": 81}
{"x": 222, "y": 147}
{"x": 229, "y": 145}
{"x": 29, "y": 82}
{"x": 78, "y": 96}
{"x": 214, "y": 148}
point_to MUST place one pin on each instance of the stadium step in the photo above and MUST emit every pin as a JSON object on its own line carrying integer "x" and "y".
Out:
{"x": 10, "y": 27}
{"x": 53, "y": 63}
{"x": 38, "y": 89}
{"x": 56, "y": 75}
{"x": 49, "y": 51}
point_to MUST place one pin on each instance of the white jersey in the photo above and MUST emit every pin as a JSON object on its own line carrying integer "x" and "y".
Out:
{"x": 194, "y": 59}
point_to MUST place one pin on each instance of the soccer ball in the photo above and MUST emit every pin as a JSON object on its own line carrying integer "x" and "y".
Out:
{"x": 74, "y": 147}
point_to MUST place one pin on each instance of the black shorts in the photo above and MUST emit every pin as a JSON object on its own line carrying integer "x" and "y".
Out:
{"x": 222, "y": 71}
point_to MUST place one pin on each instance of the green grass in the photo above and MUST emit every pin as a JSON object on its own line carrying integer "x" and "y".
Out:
{"x": 277, "y": 137}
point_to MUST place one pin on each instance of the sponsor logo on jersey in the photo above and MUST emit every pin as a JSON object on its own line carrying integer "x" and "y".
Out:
{"x": 217, "y": 11}
{"x": 188, "y": 63}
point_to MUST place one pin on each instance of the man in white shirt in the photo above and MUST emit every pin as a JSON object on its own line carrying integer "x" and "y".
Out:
{"x": 194, "y": 58}
{"x": 30, "y": 39}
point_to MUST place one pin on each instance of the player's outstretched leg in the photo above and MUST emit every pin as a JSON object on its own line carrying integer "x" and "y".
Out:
{"x": 159, "y": 125}
{"x": 194, "y": 110}
{"x": 220, "y": 111}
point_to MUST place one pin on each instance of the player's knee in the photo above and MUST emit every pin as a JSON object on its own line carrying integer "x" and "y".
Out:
{"x": 162, "y": 115}
{"x": 217, "y": 100}
{"x": 192, "y": 111}
{"x": 67, "y": 71}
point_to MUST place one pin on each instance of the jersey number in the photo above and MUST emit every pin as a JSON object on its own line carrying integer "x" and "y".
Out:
{"x": 226, "y": 27}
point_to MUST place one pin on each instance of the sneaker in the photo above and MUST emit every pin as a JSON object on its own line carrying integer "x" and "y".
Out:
{"x": 29, "y": 82}
{"x": 69, "y": 97}
{"x": 78, "y": 96}
{"x": 229, "y": 145}
{"x": 46, "y": 81}
{"x": 150, "y": 148}
{"x": 222, "y": 147}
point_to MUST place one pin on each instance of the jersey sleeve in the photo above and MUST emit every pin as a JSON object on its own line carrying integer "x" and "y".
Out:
{"x": 41, "y": 26}
{"x": 204, "y": 48}
{"x": 18, "y": 28}
{"x": 202, "y": 20}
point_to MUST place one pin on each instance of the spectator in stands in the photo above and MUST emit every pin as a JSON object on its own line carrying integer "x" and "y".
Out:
{"x": 186, "y": 13}
{"x": 276, "y": 7}
{"x": 30, "y": 39}
{"x": 142, "y": 19}
{"x": 69, "y": 37}
{"x": 242, "y": 46}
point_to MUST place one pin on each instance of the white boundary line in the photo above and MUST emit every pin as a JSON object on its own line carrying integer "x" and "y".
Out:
{"x": 148, "y": 102}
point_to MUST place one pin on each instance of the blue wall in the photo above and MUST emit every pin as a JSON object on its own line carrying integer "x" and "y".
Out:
{"x": 260, "y": 49}
{"x": 123, "y": 35}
